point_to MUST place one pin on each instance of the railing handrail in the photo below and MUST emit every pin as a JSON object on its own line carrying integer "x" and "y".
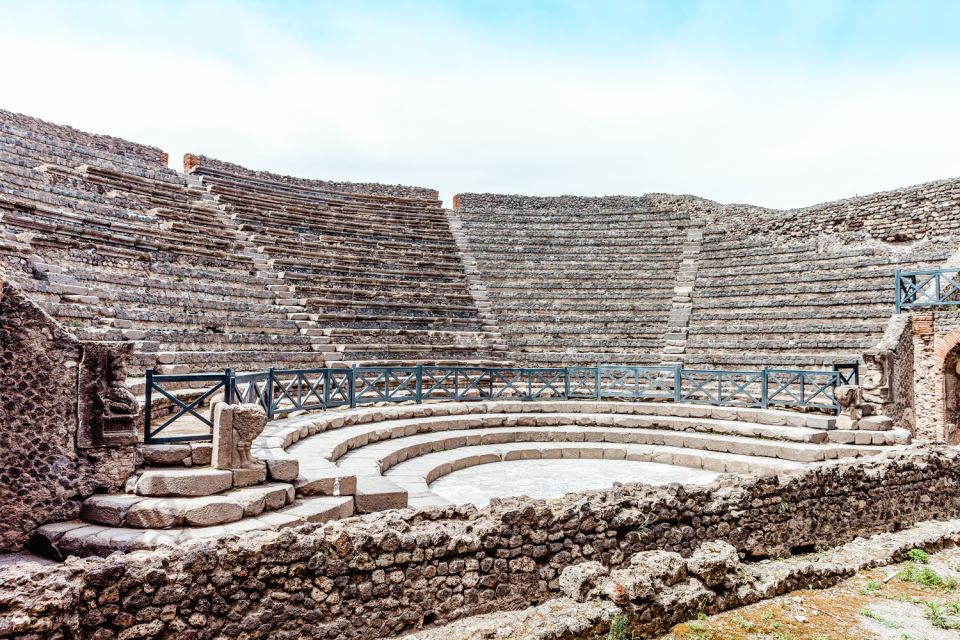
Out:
{"x": 282, "y": 391}
{"x": 934, "y": 291}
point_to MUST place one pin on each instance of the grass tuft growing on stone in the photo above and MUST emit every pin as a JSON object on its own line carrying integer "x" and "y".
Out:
{"x": 620, "y": 628}
{"x": 926, "y": 577}
{"x": 919, "y": 556}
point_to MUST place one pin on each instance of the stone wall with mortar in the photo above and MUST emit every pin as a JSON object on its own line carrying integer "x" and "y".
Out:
{"x": 191, "y": 162}
{"x": 44, "y": 476}
{"x": 381, "y": 575}
{"x": 887, "y": 373}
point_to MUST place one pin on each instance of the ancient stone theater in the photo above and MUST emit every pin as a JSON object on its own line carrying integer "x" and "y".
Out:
{"x": 237, "y": 404}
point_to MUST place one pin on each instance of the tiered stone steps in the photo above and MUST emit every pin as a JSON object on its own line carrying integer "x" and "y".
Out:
{"x": 796, "y": 304}
{"x": 333, "y": 464}
{"x": 229, "y": 269}
{"x": 577, "y": 287}
{"x": 173, "y": 505}
{"x": 360, "y": 266}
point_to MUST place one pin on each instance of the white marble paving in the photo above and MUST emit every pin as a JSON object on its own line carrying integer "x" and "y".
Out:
{"x": 556, "y": 477}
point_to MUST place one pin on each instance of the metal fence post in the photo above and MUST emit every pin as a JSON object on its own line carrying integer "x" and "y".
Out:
{"x": 268, "y": 394}
{"x": 228, "y": 385}
{"x": 596, "y": 382}
{"x": 896, "y": 291}
{"x": 352, "y": 377}
{"x": 677, "y": 382}
{"x": 326, "y": 372}
{"x": 419, "y": 390}
{"x": 566, "y": 383}
{"x": 148, "y": 409}
{"x": 764, "y": 390}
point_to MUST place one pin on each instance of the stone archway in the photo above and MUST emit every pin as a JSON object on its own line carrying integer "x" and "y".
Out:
{"x": 947, "y": 357}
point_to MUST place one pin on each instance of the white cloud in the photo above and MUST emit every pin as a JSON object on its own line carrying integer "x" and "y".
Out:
{"x": 422, "y": 99}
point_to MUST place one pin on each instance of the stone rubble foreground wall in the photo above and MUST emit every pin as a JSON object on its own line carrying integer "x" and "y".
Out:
{"x": 660, "y": 589}
{"x": 46, "y": 473}
{"x": 381, "y": 575}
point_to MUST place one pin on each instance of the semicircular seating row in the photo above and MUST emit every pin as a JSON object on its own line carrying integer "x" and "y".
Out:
{"x": 335, "y": 464}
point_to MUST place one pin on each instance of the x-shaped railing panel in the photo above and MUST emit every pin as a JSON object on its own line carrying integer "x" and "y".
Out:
{"x": 283, "y": 391}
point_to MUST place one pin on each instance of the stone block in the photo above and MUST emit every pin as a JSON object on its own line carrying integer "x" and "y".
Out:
{"x": 108, "y": 509}
{"x": 375, "y": 493}
{"x": 165, "y": 454}
{"x": 212, "y": 511}
{"x": 154, "y": 514}
{"x": 875, "y": 423}
{"x": 183, "y": 482}
{"x": 326, "y": 484}
{"x": 283, "y": 469}
{"x": 201, "y": 453}
{"x": 248, "y": 477}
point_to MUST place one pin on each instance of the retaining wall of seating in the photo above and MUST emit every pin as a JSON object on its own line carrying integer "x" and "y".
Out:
{"x": 373, "y": 188}
{"x": 45, "y": 475}
{"x": 380, "y": 575}
{"x": 900, "y": 215}
{"x": 908, "y": 213}
{"x": 82, "y": 139}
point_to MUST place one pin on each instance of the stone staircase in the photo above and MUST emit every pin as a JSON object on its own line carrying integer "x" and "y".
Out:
{"x": 173, "y": 503}
{"x": 679, "y": 320}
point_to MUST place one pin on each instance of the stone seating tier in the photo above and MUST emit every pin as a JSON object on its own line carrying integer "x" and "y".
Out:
{"x": 809, "y": 304}
{"x": 144, "y": 254}
{"x": 571, "y": 286}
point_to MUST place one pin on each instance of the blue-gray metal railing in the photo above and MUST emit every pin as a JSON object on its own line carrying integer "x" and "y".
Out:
{"x": 282, "y": 391}
{"x": 927, "y": 288}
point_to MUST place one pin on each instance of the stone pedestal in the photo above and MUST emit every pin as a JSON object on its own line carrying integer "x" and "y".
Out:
{"x": 235, "y": 426}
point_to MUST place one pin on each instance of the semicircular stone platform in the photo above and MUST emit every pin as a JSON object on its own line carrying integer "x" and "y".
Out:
{"x": 324, "y": 466}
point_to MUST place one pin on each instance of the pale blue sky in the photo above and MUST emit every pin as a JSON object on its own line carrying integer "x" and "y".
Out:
{"x": 773, "y": 103}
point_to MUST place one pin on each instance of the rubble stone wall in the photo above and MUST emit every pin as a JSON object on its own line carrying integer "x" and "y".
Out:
{"x": 44, "y": 477}
{"x": 380, "y": 575}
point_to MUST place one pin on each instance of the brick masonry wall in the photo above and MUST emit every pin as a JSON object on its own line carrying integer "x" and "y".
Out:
{"x": 384, "y": 574}
{"x": 44, "y": 477}
{"x": 936, "y": 344}
{"x": 191, "y": 161}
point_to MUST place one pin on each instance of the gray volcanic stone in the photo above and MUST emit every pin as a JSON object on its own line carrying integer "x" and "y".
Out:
{"x": 713, "y": 563}
{"x": 108, "y": 509}
{"x": 576, "y": 581}
{"x": 153, "y": 514}
{"x": 204, "y": 512}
